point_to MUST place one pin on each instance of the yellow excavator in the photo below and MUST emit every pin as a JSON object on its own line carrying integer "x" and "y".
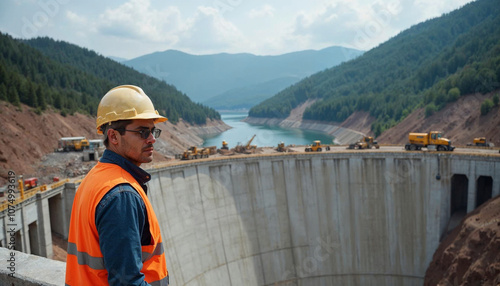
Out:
{"x": 240, "y": 148}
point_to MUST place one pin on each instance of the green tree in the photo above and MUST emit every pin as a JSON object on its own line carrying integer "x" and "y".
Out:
{"x": 496, "y": 99}
{"x": 453, "y": 94}
{"x": 486, "y": 106}
{"x": 3, "y": 92}
{"x": 13, "y": 96}
{"x": 40, "y": 95}
{"x": 430, "y": 110}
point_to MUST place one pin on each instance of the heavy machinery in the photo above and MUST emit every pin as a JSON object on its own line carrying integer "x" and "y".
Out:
{"x": 316, "y": 147}
{"x": 66, "y": 144}
{"x": 240, "y": 148}
{"x": 30, "y": 183}
{"x": 194, "y": 153}
{"x": 481, "y": 141}
{"x": 281, "y": 147}
{"x": 224, "y": 145}
{"x": 367, "y": 142}
{"x": 431, "y": 140}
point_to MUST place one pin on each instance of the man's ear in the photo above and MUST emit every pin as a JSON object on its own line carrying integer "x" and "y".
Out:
{"x": 112, "y": 136}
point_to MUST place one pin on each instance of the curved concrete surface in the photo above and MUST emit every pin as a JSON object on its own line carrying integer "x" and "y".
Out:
{"x": 367, "y": 218}
{"x": 370, "y": 217}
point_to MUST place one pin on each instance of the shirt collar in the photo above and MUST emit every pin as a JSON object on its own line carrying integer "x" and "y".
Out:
{"x": 139, "y": 174}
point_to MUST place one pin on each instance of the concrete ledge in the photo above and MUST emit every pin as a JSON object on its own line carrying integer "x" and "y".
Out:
{"x": 30, "y": 269}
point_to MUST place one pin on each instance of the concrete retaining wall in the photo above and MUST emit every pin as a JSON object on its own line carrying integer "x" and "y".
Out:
{"x": 316, "y": 219}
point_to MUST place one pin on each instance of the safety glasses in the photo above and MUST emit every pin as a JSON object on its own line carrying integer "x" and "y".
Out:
{"x": 145, "y": 132}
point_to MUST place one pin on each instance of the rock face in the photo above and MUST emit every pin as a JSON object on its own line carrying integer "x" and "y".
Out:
{"x": 470, "y": 254}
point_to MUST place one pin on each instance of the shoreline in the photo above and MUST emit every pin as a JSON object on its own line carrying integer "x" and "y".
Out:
{"x": 342, "y": 135}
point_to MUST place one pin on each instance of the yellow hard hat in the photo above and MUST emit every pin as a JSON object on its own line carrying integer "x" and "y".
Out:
{"x": 126, "y": 102}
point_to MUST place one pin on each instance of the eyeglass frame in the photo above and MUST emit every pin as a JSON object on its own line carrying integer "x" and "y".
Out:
{"x": 144, "y": 132}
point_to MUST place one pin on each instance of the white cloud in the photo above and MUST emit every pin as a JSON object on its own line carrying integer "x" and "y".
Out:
{"x": 348, "y": 23}
{"x": 76, "y": 19}
{"x": 136, "y": 19}
{"x": 131, "y": 28}
{"x": 209, "y": 32}
{"x": 265, "y": 11}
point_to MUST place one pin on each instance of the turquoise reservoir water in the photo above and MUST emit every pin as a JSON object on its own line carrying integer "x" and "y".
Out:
{"x": 266, "y": 136}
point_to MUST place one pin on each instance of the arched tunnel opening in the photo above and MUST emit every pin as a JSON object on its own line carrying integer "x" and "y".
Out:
{"x": 459, "y": 190}
{"x": 484, "y": 189}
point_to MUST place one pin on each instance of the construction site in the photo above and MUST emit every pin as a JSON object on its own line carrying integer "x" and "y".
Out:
{"x": 278, "y": 215}
{"x": 337, "y": 217}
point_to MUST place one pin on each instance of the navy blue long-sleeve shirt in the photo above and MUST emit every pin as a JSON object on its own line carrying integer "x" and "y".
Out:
{"x": 122, "y": 224}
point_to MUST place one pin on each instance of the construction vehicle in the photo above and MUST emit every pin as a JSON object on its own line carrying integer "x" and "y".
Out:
{"x": 194, "y": 153}
{"x": 367, "y": 142}
{"x": 212, "y": 150}
{"x": 481, "y": 141}
{"x": 30, "y": 183}
{"x": 224, "y": 145}
{"x": 66, "y": 144}
{"x": 281, "y": 147}
{"x": 317, "y": 147}
{"x": 247, "y": 148}
{"x": 431, "y": 140}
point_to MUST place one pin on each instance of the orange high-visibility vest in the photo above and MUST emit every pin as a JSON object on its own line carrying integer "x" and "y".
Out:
{"x": 85, "y": 262}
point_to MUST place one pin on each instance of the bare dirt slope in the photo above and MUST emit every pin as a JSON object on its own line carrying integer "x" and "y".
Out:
{"x": 460, "y": 121}
{"x": 360, "y": 121}
{"x": 26, "y": 137}
{"x": 27, "y": 142}
{"x": 470, "y": 254}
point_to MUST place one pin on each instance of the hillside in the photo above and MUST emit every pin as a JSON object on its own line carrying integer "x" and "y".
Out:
{"x": 460, "y": 121}
{"x": 28, "y": 141}
{"x": 470, "y": 254}
{"x": 43, "y": 72}
{"x": 202, "y": 77}
{"x": 427, "y": 66}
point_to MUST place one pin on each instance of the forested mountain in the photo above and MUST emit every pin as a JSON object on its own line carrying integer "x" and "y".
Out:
{"x": 42, "y": 71}
{"x": 429, "y": 65}
{"x": 235, "y": 77}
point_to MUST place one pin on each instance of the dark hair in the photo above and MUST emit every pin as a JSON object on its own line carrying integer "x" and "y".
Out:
{"x": 119, "y": 126}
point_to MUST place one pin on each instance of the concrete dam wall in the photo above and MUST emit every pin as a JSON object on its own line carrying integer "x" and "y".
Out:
{"x": 362, "y": 218}
{"x": 335, "y": 218}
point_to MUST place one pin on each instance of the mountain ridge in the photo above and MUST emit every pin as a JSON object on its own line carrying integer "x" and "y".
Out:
{"x": 203, "y": 77}
{"x": 429, "y": 65}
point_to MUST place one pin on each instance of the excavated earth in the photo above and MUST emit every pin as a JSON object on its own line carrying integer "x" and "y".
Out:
{"x": 28, "y": 141}
{"x": 470, "y": 254}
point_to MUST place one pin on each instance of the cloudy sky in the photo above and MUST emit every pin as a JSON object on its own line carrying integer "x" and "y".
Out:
{"x": 131, "y": 28}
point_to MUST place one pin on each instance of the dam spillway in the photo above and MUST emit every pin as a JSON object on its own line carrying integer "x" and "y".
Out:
{"x": 366, "y": 218}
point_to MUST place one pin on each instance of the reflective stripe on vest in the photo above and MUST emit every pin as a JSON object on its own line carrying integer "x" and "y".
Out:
{"x": 97, "y": 263}
{"x": 85, "y": 262}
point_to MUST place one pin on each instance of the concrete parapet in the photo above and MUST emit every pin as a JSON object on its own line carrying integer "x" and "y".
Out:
{"x": 28, "y": 270}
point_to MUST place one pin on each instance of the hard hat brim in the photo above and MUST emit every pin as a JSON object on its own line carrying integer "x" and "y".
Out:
{"x": 156, "y": 117}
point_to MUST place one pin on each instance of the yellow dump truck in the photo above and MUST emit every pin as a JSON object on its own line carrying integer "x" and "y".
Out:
{"x": 433, "y": 139}
{"x": 66, "y": 144}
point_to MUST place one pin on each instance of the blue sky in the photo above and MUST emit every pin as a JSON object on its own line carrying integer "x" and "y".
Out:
{"x": 131, "y": 28}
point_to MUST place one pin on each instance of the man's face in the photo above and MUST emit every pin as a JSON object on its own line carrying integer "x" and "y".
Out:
{"x": 132, "y": 146}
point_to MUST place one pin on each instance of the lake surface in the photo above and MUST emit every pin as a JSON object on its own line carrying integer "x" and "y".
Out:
{"x": 266, "y": 136}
